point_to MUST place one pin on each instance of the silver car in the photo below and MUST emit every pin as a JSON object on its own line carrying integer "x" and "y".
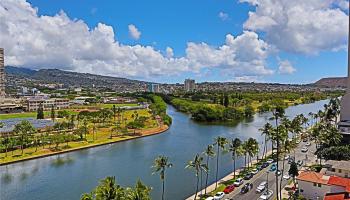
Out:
{"x": 261, "y": 187}
{"x": 266, "y": 195}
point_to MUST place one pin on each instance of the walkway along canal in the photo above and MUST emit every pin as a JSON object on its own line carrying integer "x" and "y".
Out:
{"x": 67, "y": 176}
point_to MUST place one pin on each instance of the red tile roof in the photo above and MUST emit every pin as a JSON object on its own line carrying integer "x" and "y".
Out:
{"x": 339, "y": 181}
{"x": 314, "y": 177}
{"x": 335, "y": 197}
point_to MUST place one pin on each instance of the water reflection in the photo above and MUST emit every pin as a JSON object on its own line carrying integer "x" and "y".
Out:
{"x": 61, "y": 161}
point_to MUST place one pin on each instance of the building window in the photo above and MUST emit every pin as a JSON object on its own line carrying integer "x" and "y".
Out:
{"x": 315, "y": 184}
{"x": 333, "y": 170}
{"x": 319, "y": 185}
{"x": 339, "y": 170}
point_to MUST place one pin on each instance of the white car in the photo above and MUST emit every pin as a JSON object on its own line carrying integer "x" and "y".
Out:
{"x": 286, "y": 176}
{"x": 269, "y": 161}
{"x": 304, "y": 149}
{"x": 261, "y": 187}
{"x": 210, "y": 198}
{"x": 254, "y": 171}
{"x": 308, "y": 144}
{"x": 238, "y": 182}
{"x": 219, "y": 196}
{"x": 286, "y": 157}
{"x": 266, "y": 195}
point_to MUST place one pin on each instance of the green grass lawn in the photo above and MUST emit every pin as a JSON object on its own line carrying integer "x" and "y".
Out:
{"x": 30, "y": 114}
{"x": 117, "y": 105}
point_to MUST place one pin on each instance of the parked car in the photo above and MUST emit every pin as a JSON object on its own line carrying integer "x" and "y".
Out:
{"x": 266, "y": 195}
{"x": 248, "y": 176}
{"x": 308, "y": 144}
{"x": 246, "y": 188}
{"x": 238, "y": 182}
{"x": 261, "y": 187}
{"x": 270, "y": 161}
{"x": 259, "y": 167}
{"x": 286, "y": 176}
{"x": 273, "y": 168}
{"x": 297, "y": 141}
{"x": 209, "y": 198}
{"x": 265, "y": 164}
{"x": 229, "y": 189}
{"x": 254, "y": 171}
{"x": 305, "y": 140}
{"x": 304, "y": 149}
{"x": 300, "y": 162}
{"x": 219, "y": 196}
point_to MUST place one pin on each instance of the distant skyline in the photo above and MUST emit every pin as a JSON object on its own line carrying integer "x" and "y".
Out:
{"x": 167, "y": 41}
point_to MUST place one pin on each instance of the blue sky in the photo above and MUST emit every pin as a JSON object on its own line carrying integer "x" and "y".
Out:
{"x": 174, "y": 24}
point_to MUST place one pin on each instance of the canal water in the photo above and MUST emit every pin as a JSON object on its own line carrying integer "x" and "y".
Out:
{"x": 67, "y": 176}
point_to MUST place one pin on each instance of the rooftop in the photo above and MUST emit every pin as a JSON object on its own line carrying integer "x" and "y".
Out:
{"x": 339, "y": 164}
{"x": 340, "y": 181}
{"x": 314, "y": 177}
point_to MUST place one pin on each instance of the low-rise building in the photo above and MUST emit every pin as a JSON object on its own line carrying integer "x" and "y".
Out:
{"x": 339, "y": 168}
{"x": 314, "y": 185}
{"x": 33, "y": 103}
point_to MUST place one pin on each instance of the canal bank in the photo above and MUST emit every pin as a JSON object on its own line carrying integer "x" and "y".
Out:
{"x": 131, "y": 160}
{"x": 144, "y": 133}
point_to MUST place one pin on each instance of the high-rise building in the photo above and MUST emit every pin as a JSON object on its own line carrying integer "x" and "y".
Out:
{"x": 190, "y": 85}
{"x": 2, "y": 73}
{"x": 344, "y": 124}
{"x": 152, "y": 87}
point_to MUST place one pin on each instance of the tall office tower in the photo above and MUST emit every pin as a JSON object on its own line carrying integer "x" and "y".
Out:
{"x": 2, "y": 73}
{"x": 190, "y": 85}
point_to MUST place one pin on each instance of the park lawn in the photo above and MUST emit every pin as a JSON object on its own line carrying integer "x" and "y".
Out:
{"x": 102, "y": 136}
{"x": 117, "y": 105}
{"x": 31, "y": 114}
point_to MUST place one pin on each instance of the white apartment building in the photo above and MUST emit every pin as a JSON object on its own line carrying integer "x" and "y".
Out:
{"x": 33, "y": 103}
{"x": 315, "y": 186}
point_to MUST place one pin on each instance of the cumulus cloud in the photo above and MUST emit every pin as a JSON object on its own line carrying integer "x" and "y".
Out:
{"x": 57, "y": 41}
{"x": 134, "y": 33}
{"x": 301, "y": 26}
{"x": 169, "y": 52}
{"x": 223, "y": 16}
{"x": 247, "y": 79}
{"x": 285, "y": 67}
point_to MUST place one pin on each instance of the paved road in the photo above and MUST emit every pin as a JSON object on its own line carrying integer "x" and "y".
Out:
{"x": 262, "y": 175}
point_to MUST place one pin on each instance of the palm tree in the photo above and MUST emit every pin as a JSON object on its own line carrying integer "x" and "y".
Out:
{"x": 234, "y": 147}
{"x": 209, "y": 152}
{"x": 244, "y": 149}
{"x": 220, "y": 142}
{"x": 266, "y": 131}
{"x": 198, "y": 166}
{"x": 161, "y": 163}
{"x": 278, "y": 113}
{"x": 253, "y": 148}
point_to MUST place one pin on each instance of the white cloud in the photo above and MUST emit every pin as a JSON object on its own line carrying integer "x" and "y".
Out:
{"x": 57, "y": 41}
{"x": 134, "y": 32}
{"x": 285, "y": 67}
{"x": 223, "y": 16}
{"x": 301, "y": 26}
{"x": 247, "y": 79}
{"x": 169, "y": 52}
